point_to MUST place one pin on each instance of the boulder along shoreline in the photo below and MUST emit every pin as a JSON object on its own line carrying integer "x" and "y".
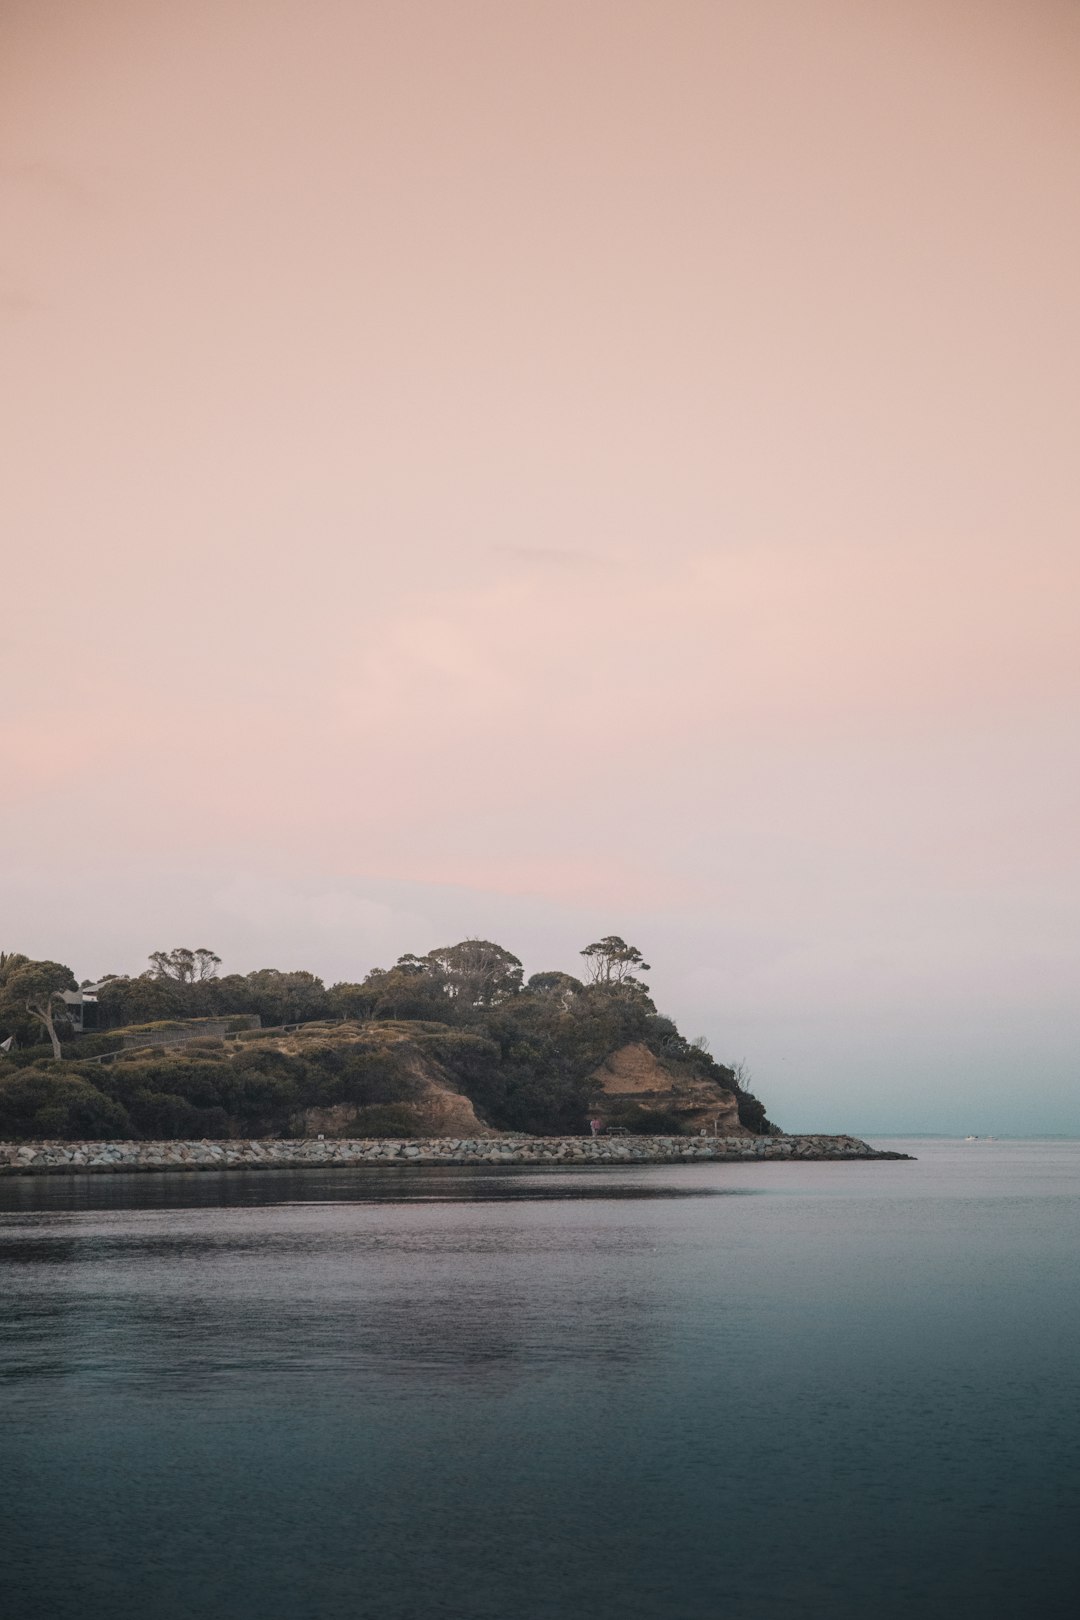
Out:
{"x": 96, "y": 1158}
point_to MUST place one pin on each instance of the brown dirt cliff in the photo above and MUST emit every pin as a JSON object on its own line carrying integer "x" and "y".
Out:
{"x": 634, "y": 1078}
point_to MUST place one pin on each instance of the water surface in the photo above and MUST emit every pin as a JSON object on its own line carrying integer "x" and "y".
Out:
{"x": 641, "y": 1393}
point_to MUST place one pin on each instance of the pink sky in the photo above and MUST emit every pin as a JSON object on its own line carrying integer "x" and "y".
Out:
{"x": 535, "y": 469}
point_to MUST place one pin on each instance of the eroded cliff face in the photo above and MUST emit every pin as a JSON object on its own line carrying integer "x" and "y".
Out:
{"x": 437, "y": 1111}
{"x": 436, "y": 1108}
{"x": 634, "y": 1077}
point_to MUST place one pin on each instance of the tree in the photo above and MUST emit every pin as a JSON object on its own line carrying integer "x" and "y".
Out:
{"x": 613, "y": 963}
{"x": 36, "y": 988}
{"x": 9, "y": 961}
{"x": 184, "y": 966}
{"x": 348, "y": 1000}
{"x": 404, "y": 991}
{"x": 561, "y": 988}
{"x": 139, "y": 1001}
{"x": 286, "y": 998}
{"x": 476, "y": 972}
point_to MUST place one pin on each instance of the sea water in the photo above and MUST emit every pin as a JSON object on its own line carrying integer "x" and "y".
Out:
{"x": 662, "y": 1393}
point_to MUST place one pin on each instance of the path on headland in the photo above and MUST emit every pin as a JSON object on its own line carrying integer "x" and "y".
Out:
{"x": 75, "y": 1158}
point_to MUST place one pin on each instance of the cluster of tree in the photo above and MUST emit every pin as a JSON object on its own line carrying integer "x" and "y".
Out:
{"x": 30, "y": 996}
{"x": 208, "y": 1090}
{"x": 522, "y": 1050}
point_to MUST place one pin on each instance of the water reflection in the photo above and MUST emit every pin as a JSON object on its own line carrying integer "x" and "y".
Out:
{"x": 238, "y": 1189}
{"x": 175, "y": 1298}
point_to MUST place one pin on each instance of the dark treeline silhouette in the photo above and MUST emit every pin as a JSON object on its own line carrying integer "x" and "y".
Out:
{"x": 523, "y": 1051}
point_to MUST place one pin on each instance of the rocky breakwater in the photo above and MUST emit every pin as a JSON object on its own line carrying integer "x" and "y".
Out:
{"x": 90, "y": 1158}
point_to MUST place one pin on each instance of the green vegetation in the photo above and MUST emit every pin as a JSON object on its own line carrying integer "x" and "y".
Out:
{"x": 523, "y": 1052}
{"x": 32, "y": 991}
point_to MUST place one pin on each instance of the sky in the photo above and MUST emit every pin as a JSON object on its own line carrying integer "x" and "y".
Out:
{"x": 543, "y": 468}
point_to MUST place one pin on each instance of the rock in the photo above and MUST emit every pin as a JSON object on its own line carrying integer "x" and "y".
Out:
{"x": 99, "y": 1157}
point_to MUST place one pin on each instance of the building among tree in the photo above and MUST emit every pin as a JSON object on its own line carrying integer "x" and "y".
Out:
{"x": 81, "y": 1006}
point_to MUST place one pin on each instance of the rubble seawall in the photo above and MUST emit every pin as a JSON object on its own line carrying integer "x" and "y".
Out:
{"x": 90, "y": 1158}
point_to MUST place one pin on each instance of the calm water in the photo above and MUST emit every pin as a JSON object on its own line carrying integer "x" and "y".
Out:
{"x": 675, "y": 1393}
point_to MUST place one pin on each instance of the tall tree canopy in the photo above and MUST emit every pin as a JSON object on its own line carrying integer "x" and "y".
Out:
{"x": 286, "y": 998}
{"x": 185, "y": 966}
{"x": 476, "y": 972}
{"x": 612, "y": 961}
{"x": 9, "y": 961}
{"x": 561, "y": 988}
{"x": 36, "y": 989}
{"x": 473, "y": 973}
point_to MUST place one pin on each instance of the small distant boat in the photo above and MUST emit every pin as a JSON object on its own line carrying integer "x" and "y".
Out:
{"x": 980, "y": 1138}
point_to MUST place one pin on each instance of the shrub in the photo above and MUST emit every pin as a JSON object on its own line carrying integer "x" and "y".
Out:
{"x": 197, "y": 1082}
{"x": 648, "y": 1121}
{"x": 413, "y": 1027}
{"x": 24, "y": 1056}
{"x": 93, "y": 1045}
{"x": 161, "y": 1116}
{"x": 40, "y": 1103}
{"x": 157, "y": 1026}
{"x": 363, "y": 1072}
{"x": 387, "y": 1119}
{"x": 752, "y": 1114}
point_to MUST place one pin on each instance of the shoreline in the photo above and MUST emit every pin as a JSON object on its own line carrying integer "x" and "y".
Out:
{"x": 309, "y": 1153}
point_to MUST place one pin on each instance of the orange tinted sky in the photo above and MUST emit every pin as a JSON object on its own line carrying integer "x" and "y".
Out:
{"x": 534, "y": 469}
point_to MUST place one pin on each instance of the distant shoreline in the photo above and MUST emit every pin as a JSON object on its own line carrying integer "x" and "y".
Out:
{"x": 988, "y": 1141}
{"x": 97, "y": 1158}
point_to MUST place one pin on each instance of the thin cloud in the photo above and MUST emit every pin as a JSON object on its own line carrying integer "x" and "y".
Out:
{"x": 557, "y": 557}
